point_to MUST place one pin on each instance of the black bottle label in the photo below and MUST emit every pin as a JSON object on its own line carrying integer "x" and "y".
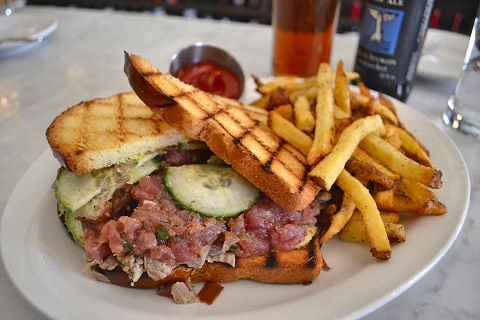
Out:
{"x": 391, "y": 38}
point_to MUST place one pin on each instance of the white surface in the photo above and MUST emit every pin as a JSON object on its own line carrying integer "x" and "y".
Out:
{"x": 49, "y": 265}
{"x": 84, "y": 59}
{"x": 442, "y": 55}
{"x": 35, "y": 26}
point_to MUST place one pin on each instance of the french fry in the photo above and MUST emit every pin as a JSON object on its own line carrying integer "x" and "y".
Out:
{"x": 262, "y": 102}
{"x": 416, "y": 191}
{"x": 339, "y": 114}
{"x": 397, "y": 162}
{"x": 385, "y": 197}
{"x": 288, "y": 132}
{"x": 406, "y": 205}
{"x": 355, "y": 231}
{"x": 437, "y": 208}
{"x": 312, "y": 81}
{"x": 379, "y": 244}
{"x": 285, "y": 110}
{"x": 310, "y": 93}
{"x": 341, "y": 125}
{"x": 411, "y": 145}
{"x": 340, "y": 218}
{"x": 324, "y": 126}
{"x": 365, "y": 166}
{"x": 379, "y": 108}
{"x": 387, "y": 103}
{"x": 352, "y": 75}
{"x": 385, "y": 113}
{"x": 395, "y": 232}
{"x": 272, "y": 86}
{"x": 257, "y": 81}
{"x": 326, "y": 171}
{"x": 354, "y": 104}
{"x": 370, "y": 107}
{"x": 341, "y": 94}
{"x": 392, "y": 136}
{"x": 304, "y": 119}
{"x": 364, "y": 91}
{"x": 305, "y": 84}
{"x": 278, "y": 97}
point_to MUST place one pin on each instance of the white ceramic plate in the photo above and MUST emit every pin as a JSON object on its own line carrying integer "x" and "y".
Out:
{"x": 442, "y": 55}
{"x": 46, "y": 265}
{"x": 24, "y": 25}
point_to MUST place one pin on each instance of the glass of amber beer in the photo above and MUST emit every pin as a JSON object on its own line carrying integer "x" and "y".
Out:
{"x": 303, "y": 32}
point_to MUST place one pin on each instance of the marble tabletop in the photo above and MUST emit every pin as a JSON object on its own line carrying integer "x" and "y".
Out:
{"x": 83, "y": 59}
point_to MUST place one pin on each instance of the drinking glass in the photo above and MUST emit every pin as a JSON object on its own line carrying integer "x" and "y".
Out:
{"x": 303, "y": 32}
{"x": 463, "y": 110}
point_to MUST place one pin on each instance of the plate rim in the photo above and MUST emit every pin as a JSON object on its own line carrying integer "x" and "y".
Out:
{"x": 277, "y": 309}
{"x": 19, "y": 46}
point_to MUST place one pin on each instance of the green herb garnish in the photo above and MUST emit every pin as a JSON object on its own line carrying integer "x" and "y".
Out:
{"x": 127, "y": 245}
{"x": 162, "y": 234}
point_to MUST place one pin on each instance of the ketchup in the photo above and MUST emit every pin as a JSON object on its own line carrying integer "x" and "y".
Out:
{"x": 210, "y": 77}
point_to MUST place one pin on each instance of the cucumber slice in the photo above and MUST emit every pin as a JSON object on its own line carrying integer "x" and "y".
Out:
{"x": 74, "y": 226}
{"x": 210, "y": 190}
{"x": 92, "y": 209}
{"x": 143, "y": 170}
{"x": 216, "y": 161}
{"x": 146, "y": 158}
{"x": 74, "y": 191}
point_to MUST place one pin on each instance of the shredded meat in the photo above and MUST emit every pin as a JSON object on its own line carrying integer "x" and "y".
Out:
{"x": 182, "y": 294}
{"x": 156, "y": 269}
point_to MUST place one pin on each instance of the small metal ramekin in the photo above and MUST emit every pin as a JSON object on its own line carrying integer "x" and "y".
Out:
{"x": 203, "y": 51}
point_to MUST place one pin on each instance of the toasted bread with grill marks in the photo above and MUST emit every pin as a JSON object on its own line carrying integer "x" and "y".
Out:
{"x": 232, "y": 132}
{"x": 98, "y": 133}
{"x": 297, "y": 266}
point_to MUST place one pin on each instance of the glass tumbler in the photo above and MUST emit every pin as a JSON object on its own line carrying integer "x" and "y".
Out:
{"x": 303, "y": 32}
{"x": 463, "y": 110}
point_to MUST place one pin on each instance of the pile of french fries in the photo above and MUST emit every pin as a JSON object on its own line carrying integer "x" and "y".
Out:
{"x": 356, "y": 141}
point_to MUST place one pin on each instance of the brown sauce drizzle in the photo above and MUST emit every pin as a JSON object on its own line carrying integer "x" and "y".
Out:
{"x": 210, "y": 292}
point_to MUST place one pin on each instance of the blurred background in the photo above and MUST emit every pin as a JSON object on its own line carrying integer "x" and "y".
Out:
{"x": 456, "y": 16}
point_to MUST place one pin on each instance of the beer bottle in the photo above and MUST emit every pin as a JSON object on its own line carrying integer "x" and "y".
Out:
{"x": 392, "y": 33}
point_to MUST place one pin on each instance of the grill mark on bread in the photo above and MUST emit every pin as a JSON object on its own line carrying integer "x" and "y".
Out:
{"x": 271, "y": 262}
{"x": 88, "y": 135}
{"x": 238, "y": 140}
{"x": 150, "y": 74}
{"x": 311, "y": 262}
{"x": 267, "y": 165}
{"x": 211, "y": 116}
{"x": 121, "y": 119}
{"x": 295, "y": 154}
{"x": 304, "y": 178}
{"x": 83, "y": 128}
{"x": 187, "y": 93}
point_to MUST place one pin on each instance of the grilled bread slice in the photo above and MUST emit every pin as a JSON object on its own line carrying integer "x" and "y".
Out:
{"x": 297, "y": 266}
{"x": 98, "y": 133}
{"x": 229, "y": 130}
